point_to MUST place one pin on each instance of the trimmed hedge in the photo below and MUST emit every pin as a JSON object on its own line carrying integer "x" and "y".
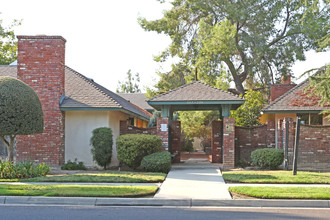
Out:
{"x": 267, "y": 158}
{"x": 157, "y": 162}
{"x": 131, "y": 148}
{"x": 26, "y": 169}
{"x": 20, "y": 109}
{"x": 101, "y": 142}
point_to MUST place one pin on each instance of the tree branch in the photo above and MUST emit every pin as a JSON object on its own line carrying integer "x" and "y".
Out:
{"x": 4, "y": 140}
{"x": 282, "y": 35}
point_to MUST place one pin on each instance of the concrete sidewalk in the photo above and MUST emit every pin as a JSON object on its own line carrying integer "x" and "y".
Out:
{"x": 194, "y": 182}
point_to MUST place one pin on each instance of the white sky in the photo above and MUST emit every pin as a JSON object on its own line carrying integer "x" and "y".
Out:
{"x": 103, "y": 37}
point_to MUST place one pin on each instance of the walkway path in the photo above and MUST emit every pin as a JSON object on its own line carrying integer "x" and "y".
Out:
{"x": 194, "y": 182}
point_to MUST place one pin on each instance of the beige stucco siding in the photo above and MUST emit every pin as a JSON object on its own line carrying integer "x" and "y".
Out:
{"x": 114, "y": 123}
{"x": 78, "y": 131}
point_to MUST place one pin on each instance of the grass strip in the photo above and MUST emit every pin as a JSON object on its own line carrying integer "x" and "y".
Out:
{"x": 107, "y": 177}
{"x": 276, "y": 177}
{"x": 283, "y": 192}
{"x": 77, "y": 190}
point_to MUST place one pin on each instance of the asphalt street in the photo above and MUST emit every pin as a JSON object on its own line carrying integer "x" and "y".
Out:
{"x": 145, "y": 213}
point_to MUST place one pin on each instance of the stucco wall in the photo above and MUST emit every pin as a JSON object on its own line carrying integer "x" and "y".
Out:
{"x": 78, "y": 131}
{"x": 114, "y": 123}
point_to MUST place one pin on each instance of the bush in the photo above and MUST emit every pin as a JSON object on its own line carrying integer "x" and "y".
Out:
{"x": 75, "y": 165}
{"x": 28, "y": 169}
{"x": 132, "y": 148}
{"x": 267, "y": 158}
{"x": 157, "y": 162}
{"x": 101, "y": 142}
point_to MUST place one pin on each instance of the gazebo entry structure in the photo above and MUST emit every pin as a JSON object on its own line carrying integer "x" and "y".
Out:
{"x": 197, "y": 96}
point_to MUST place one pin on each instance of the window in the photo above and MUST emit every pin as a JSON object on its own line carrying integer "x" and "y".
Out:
{"x": 311, "y": 118}
{"x": 3, "y": 149}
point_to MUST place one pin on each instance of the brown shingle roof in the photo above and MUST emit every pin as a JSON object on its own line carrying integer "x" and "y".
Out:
{"x": 196, "y": 91}
{"x": 7, "y": 70}
{"x": 82, "y": 92}
{"x": 295, "y": 100}
{"x": 138, "y": 99}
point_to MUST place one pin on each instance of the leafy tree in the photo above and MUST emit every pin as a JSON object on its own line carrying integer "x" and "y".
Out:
{"x": 248, "y": 114}
{"x": 258, "y": 39}
{"x": 131, "y": 85}
{"x": 320, "y": 80}
{"x": 8, "y": 43}
{"x": 20, "y": 112}
{"x": 101, "y": 142}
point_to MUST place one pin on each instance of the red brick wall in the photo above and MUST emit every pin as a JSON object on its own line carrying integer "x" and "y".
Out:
{"x": 164, "y": 135}
{"x": 129, "y": 129}
{"x": 276, "y": 90}
{"x": 248, "y": 139}
{"x": 313, "y": 149}
{"x": 216, "y": 141}
{"x": 41, "y": 63}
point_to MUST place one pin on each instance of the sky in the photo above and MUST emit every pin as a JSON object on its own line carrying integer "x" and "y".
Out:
{"x": 104, "y": 39}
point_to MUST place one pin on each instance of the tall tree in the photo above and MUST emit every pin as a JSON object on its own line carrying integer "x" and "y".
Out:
{"x": 256, "y": 39}
{"x": 320, "y": 80}
{"x": 131, "y": 85}
{"x": 8, "y": 43}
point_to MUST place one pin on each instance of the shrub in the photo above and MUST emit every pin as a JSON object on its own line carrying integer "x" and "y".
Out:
{"x": 20, "y": 112}
{"x": 132, "y": 148}
{"x": 267, "y": 158}
{"x": 75, "y": 165}
{"x": 101, "y": 142}
{"x": 157, "y": 162}
{"x": 27, "y": 169}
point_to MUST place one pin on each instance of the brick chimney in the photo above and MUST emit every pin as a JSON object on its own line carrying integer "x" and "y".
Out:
{"x": 41, "y": 63}
{"x": 276, "y": 90}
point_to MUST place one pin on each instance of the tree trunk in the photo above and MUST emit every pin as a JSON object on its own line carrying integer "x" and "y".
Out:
{"x": 10, "y": 146}
{"x": 11, "y": 149}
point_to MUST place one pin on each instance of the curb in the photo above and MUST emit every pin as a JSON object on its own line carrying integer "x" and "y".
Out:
{"x": 86, "y": 201}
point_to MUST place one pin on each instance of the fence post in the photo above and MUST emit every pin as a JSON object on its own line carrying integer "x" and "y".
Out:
{"x": 296, "y": 144}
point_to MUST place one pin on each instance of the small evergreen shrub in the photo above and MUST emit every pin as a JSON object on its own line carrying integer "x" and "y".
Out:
{"x": 267, "y": 158}
{"x": 157, "y": 162}
{"x": 27, "y": 169}
{"x": 101, "y": 142}
{"x": 131, "y": 148}
{"x": 75, "y": 165}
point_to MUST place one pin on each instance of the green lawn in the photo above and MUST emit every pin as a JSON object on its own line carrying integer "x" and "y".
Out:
{"x": 77, "y": 190}
{"x": 283, "y": 192}
{"x": 276, "y": 177}
{"x": 106, "y": 177}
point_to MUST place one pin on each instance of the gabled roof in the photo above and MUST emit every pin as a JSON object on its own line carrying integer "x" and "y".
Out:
{"x": 138, "y": 99}
{"x": 82, "y": 93}
{"x": 196, "y": 91}
{"x": 296, "y": 100}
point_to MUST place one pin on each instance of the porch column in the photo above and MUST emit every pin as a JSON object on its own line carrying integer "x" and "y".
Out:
{"x": 163, "y": 131}
{"x": 216, "y": 141}
{"x": 228, "y": 142}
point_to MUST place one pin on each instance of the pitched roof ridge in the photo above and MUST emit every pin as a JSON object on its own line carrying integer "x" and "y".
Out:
{"x": 92, "y": 83}
{"x": 230, "y": 93}
{"x": 286, "y": 94}
{"x": 171, "y": 90}
{"x": 200, "y": 82}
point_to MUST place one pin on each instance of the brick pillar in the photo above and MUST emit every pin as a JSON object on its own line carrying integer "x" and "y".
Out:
{"x": 270, "y": 139}
{"x": 41, "y": 64}
{"x": 228, "y": 142}
{"x": 163, "y": 134}
{"x": 176, "y": 140}
{"x": 216, "y": 141}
